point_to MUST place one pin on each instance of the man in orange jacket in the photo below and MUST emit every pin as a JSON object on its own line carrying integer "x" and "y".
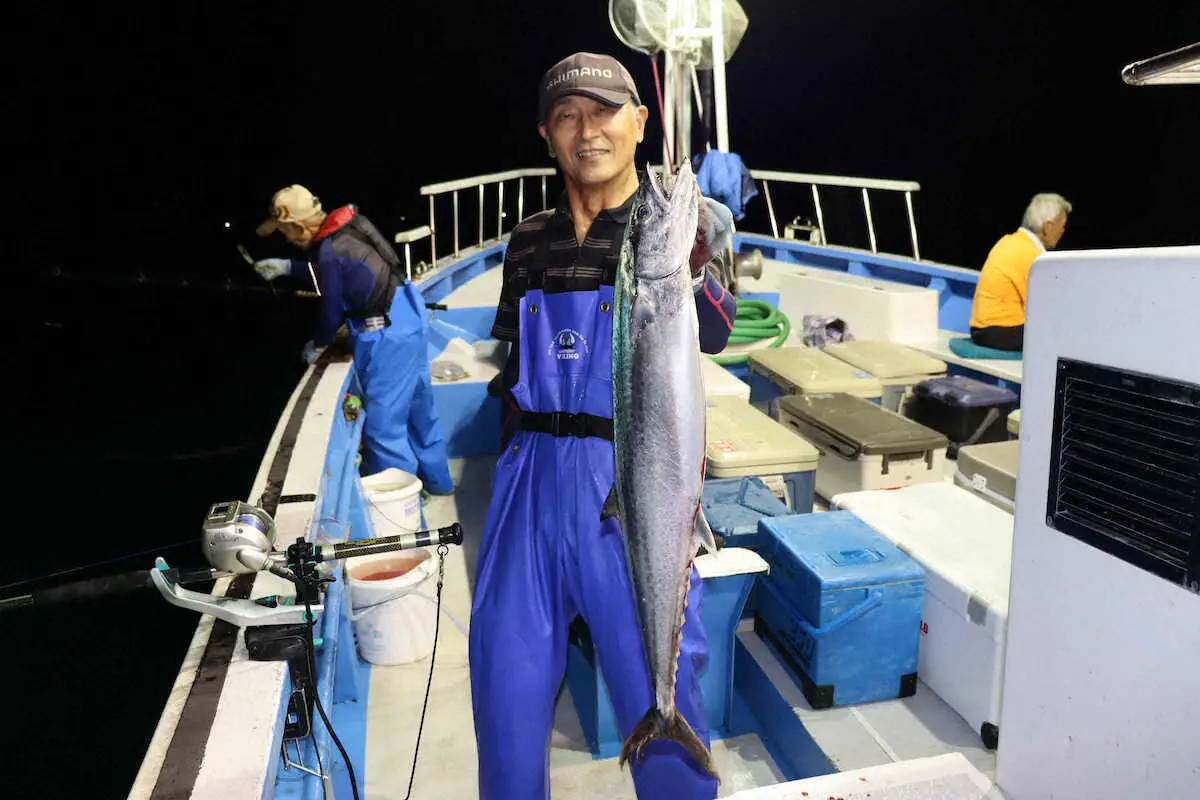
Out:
{"x": 998, "y": 312}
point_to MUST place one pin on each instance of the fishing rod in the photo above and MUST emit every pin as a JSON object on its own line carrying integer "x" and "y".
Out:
{"x": 239, "y": 539}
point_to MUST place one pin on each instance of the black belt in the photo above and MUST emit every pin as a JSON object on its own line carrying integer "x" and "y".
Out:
{"x": 560, "y": 423}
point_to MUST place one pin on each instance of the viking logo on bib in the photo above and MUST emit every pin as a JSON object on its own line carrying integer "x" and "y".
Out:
{"x": 569, "y": 345}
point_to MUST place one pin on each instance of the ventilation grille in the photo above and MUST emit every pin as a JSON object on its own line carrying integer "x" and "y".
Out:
{"x": 1125, "y": 467}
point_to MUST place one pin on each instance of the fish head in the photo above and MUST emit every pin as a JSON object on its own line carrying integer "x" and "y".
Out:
{"x": 667, "y": 219}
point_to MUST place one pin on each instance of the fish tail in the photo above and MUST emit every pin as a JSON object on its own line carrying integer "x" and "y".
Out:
{"x": 675, "y": 728}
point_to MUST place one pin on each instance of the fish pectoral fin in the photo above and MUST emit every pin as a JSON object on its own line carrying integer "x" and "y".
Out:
{"x": 611, "y": 507}
{"x": 704, "y": 533}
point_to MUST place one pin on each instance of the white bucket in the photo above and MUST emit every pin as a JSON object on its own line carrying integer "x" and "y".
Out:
{"x": 393, "y": 600}
{"x": 394, "y": 500}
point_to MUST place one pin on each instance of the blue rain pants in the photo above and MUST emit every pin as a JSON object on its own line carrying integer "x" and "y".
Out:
{"x": 401, "y": 428}
{"x": 546, "y": 557}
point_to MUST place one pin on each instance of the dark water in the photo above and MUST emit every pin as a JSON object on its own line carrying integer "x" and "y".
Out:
{"x": 136, "y": 409}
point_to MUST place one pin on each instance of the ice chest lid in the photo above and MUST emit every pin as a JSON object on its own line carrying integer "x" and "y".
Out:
{"x": 885, "y": 359}
{"x": 851, "y": 425}
{"x": 734, "y": 506}
{"x": 730, "y": 561}
{"x": 740, "y": 437}
{"x": 718, "y": 380}
{"x": 840, "y": 550}
{"x": 812, "y": 370}
{"x": 963, "y": 541}
{"x": 963, "y": 391}
{"x": 991, "y": 458}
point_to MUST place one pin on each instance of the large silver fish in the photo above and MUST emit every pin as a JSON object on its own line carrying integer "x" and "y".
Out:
{"x": 658, "y": 409}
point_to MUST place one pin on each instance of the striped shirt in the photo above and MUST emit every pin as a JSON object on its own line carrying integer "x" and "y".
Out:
{"x": 585, "y": 267}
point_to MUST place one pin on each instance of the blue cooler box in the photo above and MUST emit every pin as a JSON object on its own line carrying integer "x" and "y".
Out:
{"x": 842, "y": 604}
{"x": 967, "y": 411}
{"x": 733, "y": 507}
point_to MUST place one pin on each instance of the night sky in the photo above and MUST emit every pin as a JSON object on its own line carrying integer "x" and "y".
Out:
{"x": 140, "y": 132}
{"x": 137, "y": 132}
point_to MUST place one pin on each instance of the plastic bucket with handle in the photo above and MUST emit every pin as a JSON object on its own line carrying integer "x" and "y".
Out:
{"x": 393, "y": 598}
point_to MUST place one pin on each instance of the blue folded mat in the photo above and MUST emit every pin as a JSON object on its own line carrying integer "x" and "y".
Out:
{"x": 966, "y": 348}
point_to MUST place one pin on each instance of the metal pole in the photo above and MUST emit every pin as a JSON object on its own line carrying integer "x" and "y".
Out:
{"x": 432, "y": 234}
{"x": 500, "y": 211}
{"x": 668, "y": 110}
{"x": 770, "y": 209}
{"x": 407, "y": 261}
{"x": 544, "y": 193}
{"x": 481, "y": 215}
{"x": 520, "y": 199}
{"x": 820, "y": 216}
{"x": 870, "y": 222}
{"x": 718, "y": 74}
{"x": 912, "y": 225}
{"x": 456, "y": 223}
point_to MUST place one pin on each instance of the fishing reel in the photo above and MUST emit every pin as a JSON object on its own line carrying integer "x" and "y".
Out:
{"x": 239, "y": 539}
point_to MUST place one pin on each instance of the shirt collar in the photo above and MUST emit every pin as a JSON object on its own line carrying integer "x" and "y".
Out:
{"x": 619, "y": 215}
{"x": 1033, "y": 236}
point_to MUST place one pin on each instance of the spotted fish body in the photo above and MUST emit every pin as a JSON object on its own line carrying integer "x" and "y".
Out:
{"x": 659, "y": 440}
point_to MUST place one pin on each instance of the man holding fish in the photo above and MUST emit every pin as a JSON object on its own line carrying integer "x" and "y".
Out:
{"x": 608, "y": 302}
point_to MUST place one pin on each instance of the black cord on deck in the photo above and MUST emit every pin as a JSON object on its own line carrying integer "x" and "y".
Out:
{"x": 312, "y": 670}
{"x": 437, "y": 623}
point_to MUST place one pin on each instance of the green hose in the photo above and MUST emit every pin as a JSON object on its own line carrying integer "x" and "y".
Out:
{"x": 755, "y": 321}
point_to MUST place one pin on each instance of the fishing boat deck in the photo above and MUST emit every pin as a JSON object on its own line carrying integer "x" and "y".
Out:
{"x": 851, "y": 737}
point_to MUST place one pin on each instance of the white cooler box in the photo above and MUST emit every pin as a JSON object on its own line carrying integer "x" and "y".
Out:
{"x": 720, "y": 382}
{"x": 897, "y": 367}
{"x": 779, "y": 371}
{"x": 872, "y": 308}
{"x": 863, "y": 445}
{"x": 965, "y": 545}
{"x": 743, "y": 441}
{"x": 990, "y": 470}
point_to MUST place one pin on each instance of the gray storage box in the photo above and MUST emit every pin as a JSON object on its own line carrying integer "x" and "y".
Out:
{"x": 863, "y": 445}
{"x": 990, "y": 471}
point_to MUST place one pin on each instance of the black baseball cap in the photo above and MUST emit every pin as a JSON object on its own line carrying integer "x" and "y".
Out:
{"x": 599, "y": 77}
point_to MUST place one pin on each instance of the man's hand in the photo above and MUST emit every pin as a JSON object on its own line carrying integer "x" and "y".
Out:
{"x": 272, "y": 268}
{"x": 714, "y": 229}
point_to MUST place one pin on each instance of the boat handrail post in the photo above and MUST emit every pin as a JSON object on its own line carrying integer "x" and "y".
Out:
{"x": 912, "y": 225}
{"x": 499, "y": 210}
{"x": 432, "y": 234}
{"x": 870, "y": 221}
{"x": 770, "y": 208}
{"x": 456, "y": 248}
{"x": 820, "y": 214}
{"x": 407, "y": 238}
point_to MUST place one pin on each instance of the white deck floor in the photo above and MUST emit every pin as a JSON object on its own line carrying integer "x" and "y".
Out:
{"x": 862, "y": 736}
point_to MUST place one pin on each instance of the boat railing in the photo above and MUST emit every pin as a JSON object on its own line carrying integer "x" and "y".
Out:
{"x": 480, "y": 184}
{"x": 865, "y": 185}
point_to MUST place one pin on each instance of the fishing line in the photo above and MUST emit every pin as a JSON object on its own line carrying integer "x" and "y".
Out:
{"x": 156, "y": 548}
{"x": 662, "y": 114}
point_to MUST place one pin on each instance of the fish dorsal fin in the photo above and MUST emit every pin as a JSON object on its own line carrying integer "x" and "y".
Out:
{"x": 704, "y": 532}
{"x": 612, "y": 508}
